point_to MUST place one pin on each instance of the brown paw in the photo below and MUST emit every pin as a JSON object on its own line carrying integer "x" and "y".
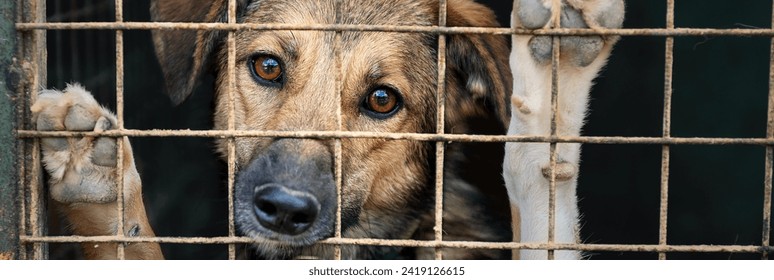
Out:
{"x": 82, "y": 169}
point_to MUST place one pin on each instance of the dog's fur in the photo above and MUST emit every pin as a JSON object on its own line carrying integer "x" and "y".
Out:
{"x": 387, "y": 185}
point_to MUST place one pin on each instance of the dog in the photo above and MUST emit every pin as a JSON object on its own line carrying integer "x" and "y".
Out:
{"x": 285, "y": 192}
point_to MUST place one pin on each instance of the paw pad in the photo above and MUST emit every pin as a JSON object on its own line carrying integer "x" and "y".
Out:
{"x": 580, "y": 51}
{"x": 533, "y": 13}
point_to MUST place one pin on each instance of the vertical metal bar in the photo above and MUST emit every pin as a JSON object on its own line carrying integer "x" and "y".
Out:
{"x": 231, "y": 126}
{"x": 552, "y": 146}
{"x": 9, "y": 184}
{"x": 35, "y": 59}
{"x": 36, "y": 208}
{"x": 22, "y": 172}
{"x": 440, "y": 146}
{"x": 766, "y": 239}
{"x": 21, "y": 162}
{"x": 337, "y": 160}
{"x": 22, "y": 143}
{"x": 120, "y": 254}
{"x": 555, "y": 57}
{"x": 338, "y": 171}
{"x": 667, "y": 121}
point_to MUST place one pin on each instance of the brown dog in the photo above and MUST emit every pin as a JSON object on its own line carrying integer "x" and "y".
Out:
{"x": 285, "y": 195}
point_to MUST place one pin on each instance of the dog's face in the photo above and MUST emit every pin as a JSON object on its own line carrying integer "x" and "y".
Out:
{"x": 285, "y": 192}
{"x": 286, "y": 81}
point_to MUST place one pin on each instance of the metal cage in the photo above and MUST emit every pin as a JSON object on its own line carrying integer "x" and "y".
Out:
{"x": 22, "y": 196}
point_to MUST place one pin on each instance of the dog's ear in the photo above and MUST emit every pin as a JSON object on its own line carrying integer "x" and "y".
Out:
{"x": 478, "y": 64}
{"x": 184, "y": 54}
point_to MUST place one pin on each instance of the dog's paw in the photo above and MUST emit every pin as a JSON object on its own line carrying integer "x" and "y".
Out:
{"x": 81, "y": 169}
{"x": 579, "y": 50}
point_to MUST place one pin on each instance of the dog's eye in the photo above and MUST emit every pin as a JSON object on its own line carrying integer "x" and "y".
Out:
{"x": 267, "y": 68}
{"x": 382, "y": 103}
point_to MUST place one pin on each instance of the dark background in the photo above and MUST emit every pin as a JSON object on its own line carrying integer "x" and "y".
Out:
{"x": 720, "y": 90}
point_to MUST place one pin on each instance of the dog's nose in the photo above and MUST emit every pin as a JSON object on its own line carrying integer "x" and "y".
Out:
{"x": 283, "y": 210}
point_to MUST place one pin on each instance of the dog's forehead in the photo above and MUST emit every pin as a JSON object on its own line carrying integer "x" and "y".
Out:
{"x": 371, "y": 47}
{"x": 371, "y": 12}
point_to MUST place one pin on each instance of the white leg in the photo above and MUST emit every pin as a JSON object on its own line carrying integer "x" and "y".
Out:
{"x": 526, "y": 164}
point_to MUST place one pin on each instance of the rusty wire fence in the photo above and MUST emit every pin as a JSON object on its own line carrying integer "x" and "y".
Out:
{"x": 31, "y": 49}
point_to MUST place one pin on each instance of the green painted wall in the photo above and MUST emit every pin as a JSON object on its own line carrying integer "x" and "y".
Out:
{"x": 8, "y": 174}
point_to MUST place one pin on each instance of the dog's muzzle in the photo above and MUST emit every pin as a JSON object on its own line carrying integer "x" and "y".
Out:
{"x": 285, "y": 197}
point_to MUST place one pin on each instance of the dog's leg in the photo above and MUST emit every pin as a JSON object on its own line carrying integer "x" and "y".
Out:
{"x": 83, "y": 173}
{"x": 526, "y": 168}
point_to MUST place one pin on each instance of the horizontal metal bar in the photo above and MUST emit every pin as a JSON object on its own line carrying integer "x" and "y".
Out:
{"x": 401, "y": 136}
{"x": 767, "y": 32}
{"x": 416, "y": 243}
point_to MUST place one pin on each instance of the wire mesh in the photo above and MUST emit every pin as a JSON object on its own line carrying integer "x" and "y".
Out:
{"x": 32, "y": 26}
